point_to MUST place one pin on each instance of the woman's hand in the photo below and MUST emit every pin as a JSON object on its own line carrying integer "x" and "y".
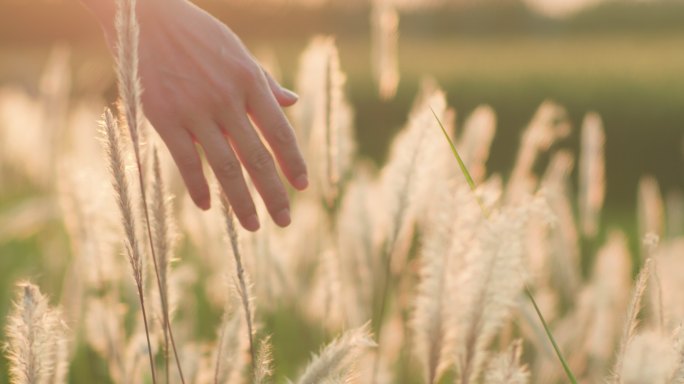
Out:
{"x": 202, "y": 86}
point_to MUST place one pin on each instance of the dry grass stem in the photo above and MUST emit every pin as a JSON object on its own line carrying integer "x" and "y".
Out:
{"x": 113, "y": 147}
{"x": 241, "y": 275}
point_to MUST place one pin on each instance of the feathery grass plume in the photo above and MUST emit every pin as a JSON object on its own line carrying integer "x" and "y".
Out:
{"x": 669, "y": 267}
{"x": 127, "y": 29}
{"x": 358, "y": 238}
{"x": 631, "y": 321}
{"x": 263, "y": 369}
{"x": 117, "y": 167}
{"x": 325, "y": 118}
{"x": 232, "y": 348}
{"x": 36, "y": 335}
{"x": 327, "y": 298}
{"x": 678, "y": 340}
{"x": 607, "y": 298}
{"x": 454, "y": 215}
{"x": 162, "y": 231}
{"x": 474, "y": 145}
{"x": 416, "y": 160}
{"x": 651, "y": 242}
{"x": 489, "y": 285}
{"x": 384, "y": 42}
{"x": 649, "y": 359}
{"x": 338, "y": 359}
{"x": 650, "y": 208}
{"x": 592, "y": 183}
{"x": 128, "y": 32}
{"x": 505, "y": 368}
{"x": 416, "y": 157}
{"x": 241, "y": 275}
{"x": 564, "y": 258}
{"x": 113, "y": 147}
{"x": 549, "y": 124}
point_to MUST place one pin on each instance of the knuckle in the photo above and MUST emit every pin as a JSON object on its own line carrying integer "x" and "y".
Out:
{"x": 229, "y": 168}
{"x": 284, "y": 135}
{"x": 249, "y": 72}
{"x": 275, "y": 199}
{"x": 260, "y": 160}
{"x": 242, "y": 204}
{"x": 188, "y": 162}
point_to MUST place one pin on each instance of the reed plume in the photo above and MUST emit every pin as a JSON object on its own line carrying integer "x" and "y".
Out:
{"x": 592, "y": 184}
{"x": 631, "y": 321}
{"x": 474, "y": 145}
{"x": 650, "y": 359}
{"x": 562, "y": 243}
{"x": 650, "y": 208}
{"x": 128, "y": 32}
{"x": 489, "y": 285}
{"x": 449, "y": 232}
{"x": 162, "y": 237}
{"x": 549, "y": 124}
{"x": 506, "y": 368}
{"x": 385, "y": 41}
{"x": 114, "y": 150}
{"x": 263, "y": 369}
{"x": 338, "y": 358}
{"x": 325, "y": 119}
{"x": 36, "y": 338}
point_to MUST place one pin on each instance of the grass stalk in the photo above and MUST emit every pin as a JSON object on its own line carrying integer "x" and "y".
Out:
{"x": 240, "y": 271}
{"x": 473, "y": 187}
{"x": 129, "y": 83}
{"x": 120, "y": 183}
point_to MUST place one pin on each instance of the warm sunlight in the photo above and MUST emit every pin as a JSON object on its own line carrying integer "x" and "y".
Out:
{"x": 341, "y": 192}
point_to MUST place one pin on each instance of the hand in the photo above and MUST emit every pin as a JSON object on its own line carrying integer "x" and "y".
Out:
{"x": 202, "y": 86}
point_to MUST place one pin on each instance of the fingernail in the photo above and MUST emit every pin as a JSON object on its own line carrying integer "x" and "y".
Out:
{"x": 251, "y": 223}
{"x": 282, "y": 218}
{"x": 301, "y": 182}
{"x": 290, "y": 94}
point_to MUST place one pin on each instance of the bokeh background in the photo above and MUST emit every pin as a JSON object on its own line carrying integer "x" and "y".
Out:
{"x": 621, "y": 59}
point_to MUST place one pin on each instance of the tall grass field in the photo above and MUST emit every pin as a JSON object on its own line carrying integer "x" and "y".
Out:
{"x": 424, "y": 268}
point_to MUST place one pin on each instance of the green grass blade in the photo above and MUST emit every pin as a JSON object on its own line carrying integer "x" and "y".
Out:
{"x": 461, "y": 164}
{"x": 568, "y": 372}
{"x": 472, "y": 185}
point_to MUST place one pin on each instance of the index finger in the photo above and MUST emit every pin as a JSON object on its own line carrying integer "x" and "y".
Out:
{"x": 266, "y": 113}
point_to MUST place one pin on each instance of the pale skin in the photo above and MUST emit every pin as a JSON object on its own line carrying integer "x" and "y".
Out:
{"x": 202, "y": 87}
